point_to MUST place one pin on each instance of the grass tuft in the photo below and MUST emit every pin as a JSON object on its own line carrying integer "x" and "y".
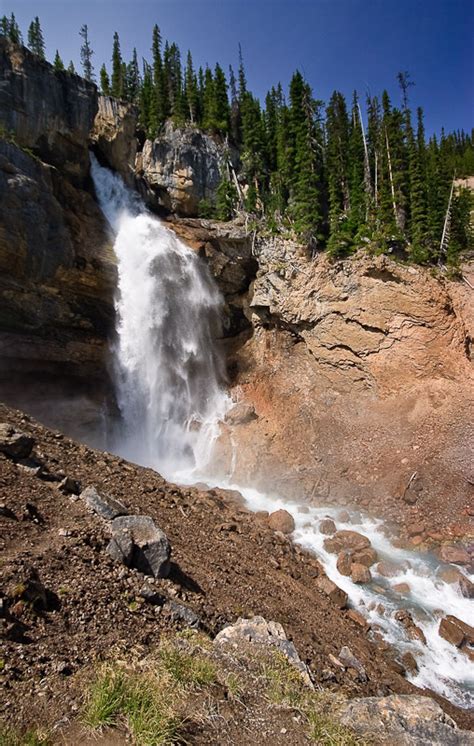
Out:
{"x": 187, "y": 669}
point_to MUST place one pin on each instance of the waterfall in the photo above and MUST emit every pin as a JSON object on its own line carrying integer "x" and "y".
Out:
{"x": 168, "y": 376}
{"x": 167, "y": 368}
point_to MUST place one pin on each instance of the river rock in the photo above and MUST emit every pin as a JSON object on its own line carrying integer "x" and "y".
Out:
{"x": 344, "y": 562}
{"x": 388, "y": 569}
{"x": 330, "y": 589}
{"x": 360, "y": 573}
{"x": 409, "y": 662}
{"x": 403, "y": 719}
{"x": 466, "y": 587}
{"x": 138, "y": 542}
{"x": 402, "y": 588}
{"x": 367, "y": 557}
{"x": 454, "y": 553}
{"x": 346, "y": 539}
{"x": 451, "y": 632}
{"x": 260, "y": 632}
{"x": 327, "y": 526}
{"x": 105, "y": 506}
{"x": 456, "y": 631}
{"x": 406, "y": 620}
{"x": 14, "y": 443}
{"x": 282, "y": 521}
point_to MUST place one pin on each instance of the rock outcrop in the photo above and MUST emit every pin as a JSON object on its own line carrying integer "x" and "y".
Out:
{"x": 180, "y": 169}
{"x": 113, "y": 135}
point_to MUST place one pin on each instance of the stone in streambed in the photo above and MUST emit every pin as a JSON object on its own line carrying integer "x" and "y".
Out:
{"x": 327, "y": 526}
{"x": 346, "y": 540}
{"x": 344, "y": 562}
{"x": 456, "y": 631}
{"x": 282, "y": 521}
{"x": 454, "y": 553}
{"x": 360, "y": 573}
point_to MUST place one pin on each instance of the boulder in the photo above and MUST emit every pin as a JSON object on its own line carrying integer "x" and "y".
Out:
{"x": 358, "y": 618}
{"x": 14, "y": 443}
{"x": 456, "y": 631}
{"x": 360, "y": 573}
{"x": 327, "y": 526}
{"x": 105, "y": 506}
{"x": 138, "y": 542}
{"x": 180, "y": 613}
{"x": 409, "y": 662}
{"x": 402, "y": 588}
{"x": 344, "y": 562}
{"x": 240, "y": 414}
{"x": 451, "y": 632}
{"x": 405, "y": 720}
{"x": 282, "y": 521}
{"x": 367, "y": 557}
{"x": 260, "y": 632}
{"x": 454, "y": 553}
{"x": 330, "y": 589}
{"x": 346, "y": 539}
{"x": 466, "y": 587}
{"x": 388, "y": 569}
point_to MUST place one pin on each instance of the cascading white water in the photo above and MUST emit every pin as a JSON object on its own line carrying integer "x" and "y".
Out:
{"x": 167, "y": 368}
{"x": 168, "y": 377}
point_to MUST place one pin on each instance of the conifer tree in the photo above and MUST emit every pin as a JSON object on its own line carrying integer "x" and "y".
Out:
{"x": 86, "y": 54}
{"x": 221, "y": 101}
{"x": 58, "y": 63}
{"x": 191, "y": 90}
{"x": 104, "y": 81}
{"x": 419, "y": 250}
{"x": 117, "y": 81}
{"x": 160, "y": 102}
{"x": 71, "y": 68}
{"x": 133, "y": 79}
{"x": 4, "y": 26}
{"x": 337, "y": 151}
{"x": 147, "y": 103}
{"x": 35, "y": 38}
{"x": 306, "y": 198}
{"x": 12, "y": 29}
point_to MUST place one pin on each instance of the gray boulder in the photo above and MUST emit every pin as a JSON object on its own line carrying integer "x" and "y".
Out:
{"x": 105, "y": 506}
{"x": 138, "y": 542}
{"x": 406, "y": 720}
{"x": 14, "y": 443}
{"x": 259, "y": 631}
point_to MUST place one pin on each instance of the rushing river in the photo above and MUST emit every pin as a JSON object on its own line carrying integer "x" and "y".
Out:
{"x": 169, "y": 389}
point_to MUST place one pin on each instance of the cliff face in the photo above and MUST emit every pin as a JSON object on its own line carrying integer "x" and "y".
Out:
{"x": 48, "y": 111}
{"x": 360, "y": 376}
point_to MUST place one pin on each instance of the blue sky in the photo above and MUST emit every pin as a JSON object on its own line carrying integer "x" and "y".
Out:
{"x": 337, "y": 44}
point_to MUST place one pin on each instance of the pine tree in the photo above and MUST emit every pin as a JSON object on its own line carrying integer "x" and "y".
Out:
{"x": 306, "y": 206}
{"x": 419, "y": 247}
{"x": 86, "y": 54}
{"x": 35, "y": 38}
{"x": 4, "y": 26}
{"x": 221, "y": 101}
{"x": 147, "y": 116}
{"x": 71, "y": 68}
{"x": 13, "y": 30}
{"x": 160, "y": 102}
{"x": 133, "y": 79}
{"x": 104, "y": 81}
{"x": 58, "y": 63}
{"x": 226, "y": 197}
{"x": 117, "y": 81}
{"x": 337, "y": 151}
{"x": 191, "y": 90}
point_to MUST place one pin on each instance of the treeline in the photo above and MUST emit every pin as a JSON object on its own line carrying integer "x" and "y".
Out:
{"x": 341, "y": 176}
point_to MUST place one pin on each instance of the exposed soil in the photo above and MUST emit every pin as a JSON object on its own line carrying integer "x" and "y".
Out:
{"x": 226, "y": 564}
